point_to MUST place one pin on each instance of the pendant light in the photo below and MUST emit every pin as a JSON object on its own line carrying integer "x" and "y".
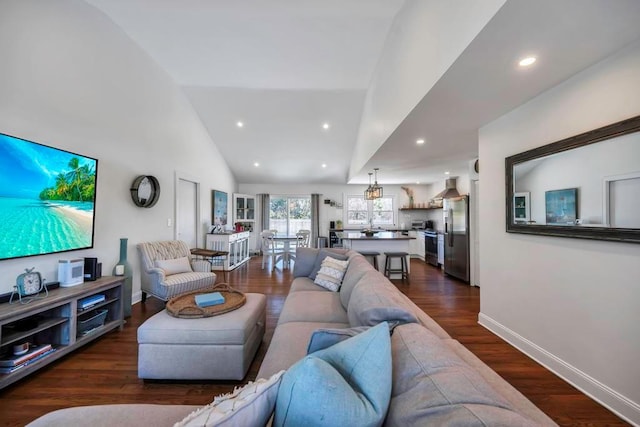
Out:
{"x": 368, "y": 193}
{"x": 376, "y": 190}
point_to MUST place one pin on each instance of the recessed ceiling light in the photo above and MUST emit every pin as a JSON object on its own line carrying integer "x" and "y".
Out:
{"x": 324, "y": 165}
{"x": 239, "y": 124}
{"x": 420, "y": 141}
{"x": 417, "y": 182}
{"x": 256, "y": 164}
{"x": 446, "y": 173}
{"x": 525, "y": 62}
{"x": 325, "y": 126}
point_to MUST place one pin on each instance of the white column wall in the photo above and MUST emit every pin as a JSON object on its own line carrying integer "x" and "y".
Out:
{"x": 570, "y": 303}
{"x": 73, "y": 80}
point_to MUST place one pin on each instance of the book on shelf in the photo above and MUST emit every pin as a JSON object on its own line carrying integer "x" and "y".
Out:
{"x": 206, "y": 300}
{"x": 86, "y": 303}
{"x": 34, "y": 351}
{"x": 10, "y": 369}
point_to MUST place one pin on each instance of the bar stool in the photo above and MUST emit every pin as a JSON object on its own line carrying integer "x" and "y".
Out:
{"x": 403, "y": 270}
{"x": 374, "y": 256}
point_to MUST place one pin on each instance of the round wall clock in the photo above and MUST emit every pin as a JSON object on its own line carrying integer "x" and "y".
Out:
{"x": 29, "y": 282}
{"x": 145, "y": 191}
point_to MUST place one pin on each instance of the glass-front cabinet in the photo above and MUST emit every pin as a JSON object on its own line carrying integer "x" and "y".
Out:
{"x": 244, "y": 207}
{"x": 521, "y": 207}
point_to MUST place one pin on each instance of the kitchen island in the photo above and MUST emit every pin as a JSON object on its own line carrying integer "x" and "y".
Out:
{"x": 380, "y": 241}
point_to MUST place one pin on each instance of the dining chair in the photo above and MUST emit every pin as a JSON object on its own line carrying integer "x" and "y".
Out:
{"x": 306, "y": 241}
{"x": 270, "y": 251}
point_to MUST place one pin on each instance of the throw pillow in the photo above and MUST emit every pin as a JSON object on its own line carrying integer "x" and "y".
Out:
{"x": 326, "y": 337}
{"x": 174, "y": 266}
{"x": 322, "y": 254}
{"x": 346, "y": 384}
{"x": 331, "y": 273}
{"x": 251, "y": 405}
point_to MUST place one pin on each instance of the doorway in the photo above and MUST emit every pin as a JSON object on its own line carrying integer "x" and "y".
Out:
{"x": 188, "y": 211}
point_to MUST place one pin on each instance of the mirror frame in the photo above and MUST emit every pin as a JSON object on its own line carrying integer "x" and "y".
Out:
{"x": 631, "y": 235}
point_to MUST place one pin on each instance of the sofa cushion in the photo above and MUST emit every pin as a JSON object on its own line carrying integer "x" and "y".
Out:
{"x": 305, "y": 284}
{"x": 322, "y": 254}
{"x": 331, "y": 273}
{"x": 433, "y": 386}
{"x": 358, "y": 266}
{"x": 344, "y": 385}
{"x": 305, "y": 260}
{"x": 289, "y": 344}
{"x": 312, "y": 306}
{"x": 174, "y": 266}
{"x": 250, "y": 405}
{"x": 374, "y": 299}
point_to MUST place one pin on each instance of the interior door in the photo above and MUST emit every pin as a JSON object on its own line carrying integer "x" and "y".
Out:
{"x": 187, "y": 212}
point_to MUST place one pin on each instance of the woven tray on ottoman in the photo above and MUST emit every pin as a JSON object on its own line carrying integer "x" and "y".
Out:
{"x": 207, "y": 348}
{"x": 185, "y": 306}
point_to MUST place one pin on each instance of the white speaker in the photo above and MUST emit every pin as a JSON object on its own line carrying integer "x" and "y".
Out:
{"x": 70, "y": 272}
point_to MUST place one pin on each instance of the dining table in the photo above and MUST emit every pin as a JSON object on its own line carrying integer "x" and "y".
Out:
{"x": 286, "y": 255}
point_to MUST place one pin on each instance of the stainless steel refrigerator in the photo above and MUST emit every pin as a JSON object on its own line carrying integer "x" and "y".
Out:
{"x": 456, "y": 237}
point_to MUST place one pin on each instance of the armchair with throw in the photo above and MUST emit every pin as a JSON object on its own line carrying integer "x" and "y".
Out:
{"x": 168, "y": 270}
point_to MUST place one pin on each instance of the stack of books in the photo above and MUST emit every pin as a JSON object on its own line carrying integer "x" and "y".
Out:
{"x": 11, "y": 363}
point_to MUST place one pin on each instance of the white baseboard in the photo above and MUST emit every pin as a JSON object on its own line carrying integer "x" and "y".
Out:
{"x": 614, "y": 401}
{"x": 136, "y": 297}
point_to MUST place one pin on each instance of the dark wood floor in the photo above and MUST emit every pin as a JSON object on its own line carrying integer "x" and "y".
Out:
{"x": 105, "y": 371}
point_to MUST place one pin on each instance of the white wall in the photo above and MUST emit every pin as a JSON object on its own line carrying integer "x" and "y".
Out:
{"x": 73, "y": 80}
{"x": 570, "y": 303}
{"x": 426, "y": 37}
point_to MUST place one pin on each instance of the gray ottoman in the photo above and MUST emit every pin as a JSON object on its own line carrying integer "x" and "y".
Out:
{"x": 211, "y": 348}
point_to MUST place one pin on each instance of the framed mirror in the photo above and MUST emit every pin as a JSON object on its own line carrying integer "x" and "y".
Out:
{"x": 586, "y": 186}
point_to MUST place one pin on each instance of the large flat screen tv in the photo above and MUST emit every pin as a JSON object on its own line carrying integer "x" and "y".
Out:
{"x": 47, "y": 199}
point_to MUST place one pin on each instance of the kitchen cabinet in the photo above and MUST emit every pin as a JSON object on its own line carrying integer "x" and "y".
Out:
{"x": 416, "y": 245}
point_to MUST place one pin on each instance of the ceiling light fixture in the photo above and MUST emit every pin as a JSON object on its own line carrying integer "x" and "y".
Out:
{"x": 325, "y": 126}
{"x": 420, "y": 141}
{"x": 525, "y": 62}
{"x": 239, "y": 124}
{"x": 446, "y": 173}
{"x": 256, "y": 164}
{"x": 324, "y": 165}
{"x": 376, "y": 190}
{"x": 368, "y": 193}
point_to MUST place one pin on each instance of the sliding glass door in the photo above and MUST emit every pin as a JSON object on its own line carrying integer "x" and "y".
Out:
{"x": 289, "y": 214}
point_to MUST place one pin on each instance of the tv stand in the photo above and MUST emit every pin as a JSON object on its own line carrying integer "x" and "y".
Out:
{"x": 58, "y": 320}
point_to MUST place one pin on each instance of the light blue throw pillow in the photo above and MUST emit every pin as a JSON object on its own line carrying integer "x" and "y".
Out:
{"x": 347, "y": 384}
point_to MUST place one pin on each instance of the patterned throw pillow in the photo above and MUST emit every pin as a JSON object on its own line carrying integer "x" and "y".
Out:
{"x": 331, "y": 273}
{"x": 251, "y": 405}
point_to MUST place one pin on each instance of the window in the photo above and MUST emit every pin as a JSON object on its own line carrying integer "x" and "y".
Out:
{"x": 365, "y": 212}
{"x": 289, "y": 215}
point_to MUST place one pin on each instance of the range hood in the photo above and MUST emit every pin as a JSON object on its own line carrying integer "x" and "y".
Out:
{"x": 449, "y": 191}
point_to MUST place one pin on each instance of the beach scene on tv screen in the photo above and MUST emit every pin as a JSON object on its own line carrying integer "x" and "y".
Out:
{"x": 46, "y": 199}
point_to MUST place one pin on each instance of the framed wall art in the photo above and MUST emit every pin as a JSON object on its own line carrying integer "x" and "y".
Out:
{"x": 561, "y": 206}
{"x": 218, "y": 208}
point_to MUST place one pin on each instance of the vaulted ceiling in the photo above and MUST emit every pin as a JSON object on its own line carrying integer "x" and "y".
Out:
{"x": 380, "y": 73}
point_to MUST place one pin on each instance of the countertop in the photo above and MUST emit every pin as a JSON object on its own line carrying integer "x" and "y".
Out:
{"x": 381, "y": 235}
